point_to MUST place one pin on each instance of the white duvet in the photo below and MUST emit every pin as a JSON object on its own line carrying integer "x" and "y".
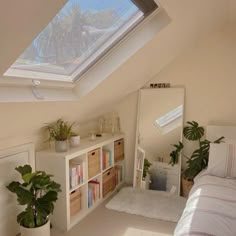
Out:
{"x": 210, "y": 209}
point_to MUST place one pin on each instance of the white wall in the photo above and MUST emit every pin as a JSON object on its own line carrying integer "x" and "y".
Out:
{"x": 208, "y": 74}
{"x": 127, "y": 110}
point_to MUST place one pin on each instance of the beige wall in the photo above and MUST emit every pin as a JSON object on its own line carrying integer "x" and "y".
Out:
{"x": 21, "y": 122}
{"x": 208, "y": 74}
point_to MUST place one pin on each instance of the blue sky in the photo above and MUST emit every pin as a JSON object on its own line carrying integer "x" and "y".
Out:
{"x": 99, "y": 5}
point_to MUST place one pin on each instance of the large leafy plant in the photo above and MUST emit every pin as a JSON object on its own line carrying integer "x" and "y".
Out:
{"x": 59, "y": 130}
{"x": 199, "y": 158}
{"x": 38, "y": 193}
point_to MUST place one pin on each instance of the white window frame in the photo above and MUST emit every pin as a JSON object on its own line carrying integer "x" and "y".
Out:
{"x": 14, "y": 88}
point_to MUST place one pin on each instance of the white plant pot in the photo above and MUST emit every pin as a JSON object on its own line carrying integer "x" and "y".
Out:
{"x": 43, "y": 230}
{"x": 74, "y": 141}
{"x": 61, "y": 146}
{"x": 145, "y": 184}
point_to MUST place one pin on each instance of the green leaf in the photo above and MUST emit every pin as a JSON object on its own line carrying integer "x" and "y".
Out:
{"x": 53, "y": 186}
{"x": 27, "y": 177}
{"x": 175, "y": 153}
{"x": 219, "y": 140}
{"x": 21, "y": 217}
{"x": 44, "y": 207}
{"x": 40, "y": 181}
{"x": 41, "y": 219}
{"x": 13, "y": 186}
{"x": 49, "y": 197}
{"x": 26, "y": 218}
{"x": 23, "y": 195}
{"x": 29, "y": 219}
{"x": 24, "y": 169}
{"x": 193, "y": 132}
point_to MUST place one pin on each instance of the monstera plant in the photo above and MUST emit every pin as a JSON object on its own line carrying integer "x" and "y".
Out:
{"x": 199, "y": 158}
{"x": 37, "y": 192}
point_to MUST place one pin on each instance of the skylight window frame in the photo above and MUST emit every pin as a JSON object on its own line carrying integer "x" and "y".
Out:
{"x": 118, "y": 37}
{"x": 169, "y": 117}
{"x": 115, "y": 40}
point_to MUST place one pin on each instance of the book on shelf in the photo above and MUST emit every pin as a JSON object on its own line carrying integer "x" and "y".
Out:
{"x": 107, "y": 158}
{"x": 76, "y": 170}
{"x": 93, "y": 192}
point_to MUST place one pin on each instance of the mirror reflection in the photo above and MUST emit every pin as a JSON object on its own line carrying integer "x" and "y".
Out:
{"x": 159, "y": 126}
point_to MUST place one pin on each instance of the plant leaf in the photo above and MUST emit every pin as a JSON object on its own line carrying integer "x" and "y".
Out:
{"x": 21, "y": 217}
{"x": 23, "y": 195}
{"x": 26, "y": 169}
{"x": 27, "y": 177}
{"x": 175, "y": 153}
{"x": 193, "y": 132}
{"x": 29, "y": 218}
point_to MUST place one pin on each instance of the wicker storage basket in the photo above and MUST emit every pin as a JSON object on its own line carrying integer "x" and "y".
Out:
{"x": 94, "y": 163}
{"x": 75, "y": 202}
{"x": 119, "y": 150}
{"x": 186, "y": 186}
{"x": 109, "y": 181}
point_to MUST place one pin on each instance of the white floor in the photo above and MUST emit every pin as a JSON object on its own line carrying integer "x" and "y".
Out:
{"x": 104, "y": 222}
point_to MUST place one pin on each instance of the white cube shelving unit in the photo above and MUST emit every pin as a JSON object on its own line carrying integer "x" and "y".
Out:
{"x": 58, "y": 164}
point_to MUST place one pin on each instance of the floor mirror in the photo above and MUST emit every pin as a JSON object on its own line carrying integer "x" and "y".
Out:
{"x": 159, "y": 126}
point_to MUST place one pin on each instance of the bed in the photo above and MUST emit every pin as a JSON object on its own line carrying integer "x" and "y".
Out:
{"x": 210, "y": 209}
{"x": 211, "y": 206}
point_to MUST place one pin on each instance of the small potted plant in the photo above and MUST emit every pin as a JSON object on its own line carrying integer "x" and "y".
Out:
{"x": 199, "y": 158}
{"x": 38, "y": 193}
{"x": 59, "y": 131}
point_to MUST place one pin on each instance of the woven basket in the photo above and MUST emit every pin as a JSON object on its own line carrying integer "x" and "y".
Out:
{"x": 186, "y": 186}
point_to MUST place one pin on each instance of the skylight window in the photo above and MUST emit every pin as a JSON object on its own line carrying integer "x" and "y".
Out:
{"x": 169, "y": 117}
{"x": 77, "y": 37}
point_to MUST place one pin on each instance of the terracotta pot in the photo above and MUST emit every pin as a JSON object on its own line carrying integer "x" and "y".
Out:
{"x": 186, "y": 186}
{"x": 43, "y": 230}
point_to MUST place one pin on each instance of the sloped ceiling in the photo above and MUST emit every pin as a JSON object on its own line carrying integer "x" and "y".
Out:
{"x": 20, "y": 22}
{"x": 191, "y": 21}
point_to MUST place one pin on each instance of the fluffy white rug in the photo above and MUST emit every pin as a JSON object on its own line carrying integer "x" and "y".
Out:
{"x": 149, "y": 203}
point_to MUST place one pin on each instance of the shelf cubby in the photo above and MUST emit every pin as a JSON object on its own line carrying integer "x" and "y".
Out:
{"x": 94, "y": 191}
{"x": 77, "y": 172}
{"x": 107, "y": 156}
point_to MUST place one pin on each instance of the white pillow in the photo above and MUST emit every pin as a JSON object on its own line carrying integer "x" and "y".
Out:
{"x": 222, "y": 160}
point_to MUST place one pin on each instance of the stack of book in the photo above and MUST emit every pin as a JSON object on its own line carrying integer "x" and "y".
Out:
{"x": 107, "y": 159}
{"x": 76, "y": 173}
{"x": 93, "y": 192}
{"x": 118, "y": 175}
